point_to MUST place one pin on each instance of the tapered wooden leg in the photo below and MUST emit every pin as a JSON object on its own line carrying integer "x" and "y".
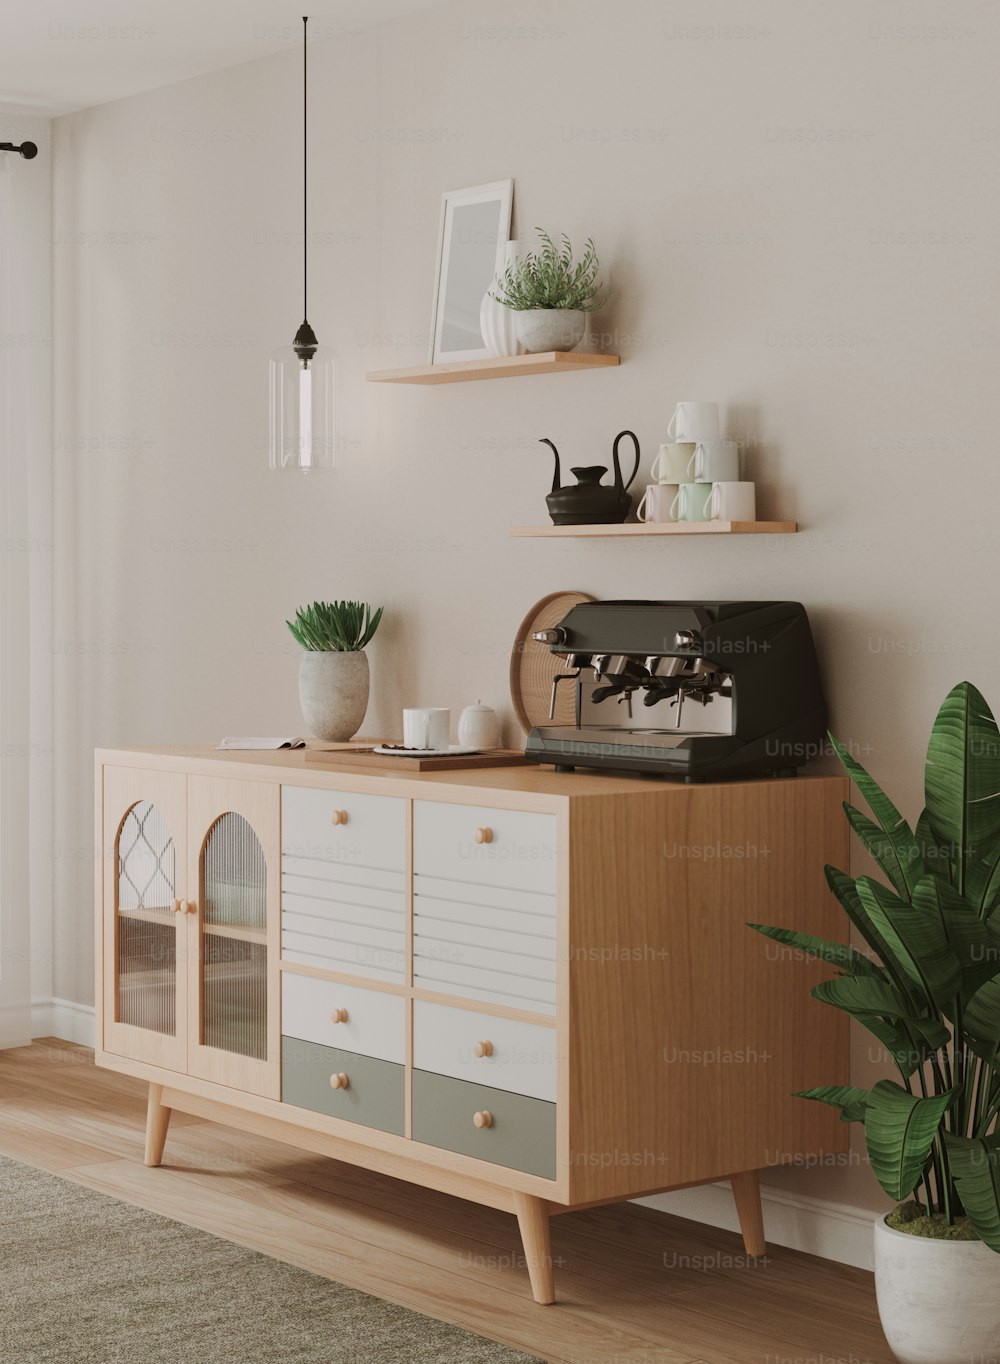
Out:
{"x": 746, "y": 1191}
{"x": 533, "y": 1220}
{"x": 157, "y": 1122}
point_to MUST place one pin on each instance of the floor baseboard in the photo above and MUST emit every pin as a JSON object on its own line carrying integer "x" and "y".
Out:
{"x": 63, "y": 1019}
{"x": 835, "y": 1231}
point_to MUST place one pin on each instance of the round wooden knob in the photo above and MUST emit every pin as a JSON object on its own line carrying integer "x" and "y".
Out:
{"x": 338, "y": 1016}
{"x": 338, "y": 1081}
{"x": 187, "y": 907}
{"x": 177, "y": 906}
{"x": 483, "y": 1119}
{"x": 483, "y": 835}
{"x": 483, "y": 1049}
{"x": 339, "y": 817}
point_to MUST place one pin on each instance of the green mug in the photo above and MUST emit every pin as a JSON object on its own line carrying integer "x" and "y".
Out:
{"x": 690, "y": 502}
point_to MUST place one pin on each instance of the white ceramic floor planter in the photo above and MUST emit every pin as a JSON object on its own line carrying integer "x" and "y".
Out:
{"x": 939, "y": 1301}
{"x": 333, "y": 693}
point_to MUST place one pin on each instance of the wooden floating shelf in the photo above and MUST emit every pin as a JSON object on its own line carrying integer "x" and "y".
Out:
{"x": 662, "y": 528}
{"x": 499, "y": 367}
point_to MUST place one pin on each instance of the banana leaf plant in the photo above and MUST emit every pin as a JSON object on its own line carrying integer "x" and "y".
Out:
{"x": 928, "y": 986}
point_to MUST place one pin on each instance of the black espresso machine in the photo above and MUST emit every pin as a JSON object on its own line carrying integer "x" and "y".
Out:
{"x": 699, "y": 690}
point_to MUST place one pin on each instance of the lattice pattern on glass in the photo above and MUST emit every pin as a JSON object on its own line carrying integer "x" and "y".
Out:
{"x": 146, "y": 949}
{"x": 234, "y": 959}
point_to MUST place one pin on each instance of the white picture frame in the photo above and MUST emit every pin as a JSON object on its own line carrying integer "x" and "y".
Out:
{"x": 474, "y": 229}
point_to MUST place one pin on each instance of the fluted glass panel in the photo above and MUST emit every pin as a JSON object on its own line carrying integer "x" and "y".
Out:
{"x": 234, "y": 955}
{"x": 147, "y": 936}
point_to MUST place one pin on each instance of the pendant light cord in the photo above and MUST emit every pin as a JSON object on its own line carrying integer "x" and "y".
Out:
{"x": 305, "y": 174}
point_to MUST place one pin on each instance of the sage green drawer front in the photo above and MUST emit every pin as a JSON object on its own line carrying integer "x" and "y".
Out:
{"x": 521, "y": 1135}
{"x": 375, "y": 1091}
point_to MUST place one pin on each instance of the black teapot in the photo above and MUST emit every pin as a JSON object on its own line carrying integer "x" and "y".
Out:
{"x": 590, "y": 502}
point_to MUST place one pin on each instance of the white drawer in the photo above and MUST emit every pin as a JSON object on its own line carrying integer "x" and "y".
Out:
{"x": 520, "y": 855}
{"x": 373, "y": 836}
{"x": 375, "y": 1023}
{"x": 473, "y": 981}
{"x": 523, "y": 1059}
{"x": 373, "y": 953}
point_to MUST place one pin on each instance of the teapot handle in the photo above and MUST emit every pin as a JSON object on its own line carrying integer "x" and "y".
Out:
{"x": 556, "y": 484}
{"x": 618, "y": 467}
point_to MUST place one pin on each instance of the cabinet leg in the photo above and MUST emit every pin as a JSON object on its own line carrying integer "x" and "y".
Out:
{"x": 746, "y": 1192}
{"x": 533, "y": 1221}
{"x": 157, "y": 1122}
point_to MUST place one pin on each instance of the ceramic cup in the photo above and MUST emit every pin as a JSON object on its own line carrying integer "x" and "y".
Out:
{"x": 656, "y": 500}
{"x": 730, "y": 501}
{"x": 426, "y": 727}
{"x": 691, "y": 502}
{"x": 694, "y": 421}
{"x": 714, "y": 461}
{"x": 671, "y": 462}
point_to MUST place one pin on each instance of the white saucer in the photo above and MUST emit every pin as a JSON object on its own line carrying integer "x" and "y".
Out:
{"x": 452, "y": 751}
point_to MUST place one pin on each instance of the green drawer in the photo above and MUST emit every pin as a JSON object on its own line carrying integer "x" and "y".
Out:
{"x": 522, "y": 1135}
{"x": 375, "y": 1094}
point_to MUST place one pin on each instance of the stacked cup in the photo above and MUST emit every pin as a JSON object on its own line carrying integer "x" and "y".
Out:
{"x": 697, "y": 472}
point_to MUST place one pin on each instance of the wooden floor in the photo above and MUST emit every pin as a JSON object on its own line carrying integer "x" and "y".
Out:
{"x": 632, "y": 1284}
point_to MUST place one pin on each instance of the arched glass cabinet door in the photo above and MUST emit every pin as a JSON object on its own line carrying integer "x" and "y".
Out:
{"x": 233, "y": 827}
{"x": 144, "y": 928}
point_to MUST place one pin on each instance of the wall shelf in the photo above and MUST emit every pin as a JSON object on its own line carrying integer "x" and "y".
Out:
{"x": 662, "y": 528}
{"x": 498, "y": 367}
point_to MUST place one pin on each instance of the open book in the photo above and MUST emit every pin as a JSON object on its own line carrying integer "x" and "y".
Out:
{"x": 251, "y": 744}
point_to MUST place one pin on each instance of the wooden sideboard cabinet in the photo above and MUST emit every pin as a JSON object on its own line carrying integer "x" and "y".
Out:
{"x": 533, "y": 990}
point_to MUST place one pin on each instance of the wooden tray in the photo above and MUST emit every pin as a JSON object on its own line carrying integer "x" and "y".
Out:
{"x": 386, "y": 762}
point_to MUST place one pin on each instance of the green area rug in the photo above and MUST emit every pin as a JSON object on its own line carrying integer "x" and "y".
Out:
{"x": 85, "y": 1279}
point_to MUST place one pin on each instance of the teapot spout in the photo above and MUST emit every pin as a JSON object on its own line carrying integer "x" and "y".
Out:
{"x": 556, "y": 483}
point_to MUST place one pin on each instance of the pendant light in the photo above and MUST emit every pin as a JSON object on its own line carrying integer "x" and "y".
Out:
{"x": 301, "y": 415}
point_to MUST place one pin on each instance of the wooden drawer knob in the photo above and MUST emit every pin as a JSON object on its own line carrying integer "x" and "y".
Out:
{"x": 177, "y": 906}
{"x": 339, "y": 1081}
{"x": 338, "y": 1016}
{"x": 186, "y": 907}
{"x": 483, "y": 836}
{"x": 483, "y": 1049}
{"x": 339, "y": 817}
{"x": 483, "y": 1119}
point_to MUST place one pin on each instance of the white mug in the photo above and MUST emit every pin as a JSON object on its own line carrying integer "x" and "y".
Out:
{"x": 426, "y": 727}
{"x": 690, "y": 503}
{"x": 714, "y": 461}
{"x": 731, "y": 501}
{"x": 694, "y": 421}
{"x": 656, "y": 500}
{"x": 671, "y": 462}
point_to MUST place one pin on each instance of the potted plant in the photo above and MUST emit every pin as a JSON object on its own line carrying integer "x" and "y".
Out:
{"x": 928, "y": 989}
{"x": 333, "y": 672}
{"x": 551, "y": 295}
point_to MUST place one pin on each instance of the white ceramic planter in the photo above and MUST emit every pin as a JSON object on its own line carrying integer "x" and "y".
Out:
{"x": 496, "y": 322}
{"x": 333, "y": 693}
{"x": 541, "y": 329}
{"x": 939, "y": 1301}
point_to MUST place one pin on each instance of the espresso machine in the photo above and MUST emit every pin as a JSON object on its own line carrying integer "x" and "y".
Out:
{"x": 699, "y": 690}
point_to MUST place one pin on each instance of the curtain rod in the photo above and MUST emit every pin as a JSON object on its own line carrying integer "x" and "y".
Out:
{"x": 27, "y": 149}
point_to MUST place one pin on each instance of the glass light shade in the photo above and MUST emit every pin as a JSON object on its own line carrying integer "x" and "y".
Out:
{"x": 301, "y": 414}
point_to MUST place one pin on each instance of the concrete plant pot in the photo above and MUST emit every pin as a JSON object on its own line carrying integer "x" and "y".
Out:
{"x": 541, "y": 329}
{"x": 333, "y": 693}
{"x": 939, "y": 1301}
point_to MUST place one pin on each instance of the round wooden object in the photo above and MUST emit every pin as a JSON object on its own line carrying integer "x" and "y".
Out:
{"x": 339, "y": 1081}
{"x": 483, "y": 1119}
{"x": 483, "y": 1049}
{"x": 532, "y": 666}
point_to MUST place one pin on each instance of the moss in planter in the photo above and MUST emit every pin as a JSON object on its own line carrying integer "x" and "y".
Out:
{"x": 912, "y": 1219}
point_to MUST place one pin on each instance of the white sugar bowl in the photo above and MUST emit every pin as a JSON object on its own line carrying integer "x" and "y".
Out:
{"x": 478, "y": 727}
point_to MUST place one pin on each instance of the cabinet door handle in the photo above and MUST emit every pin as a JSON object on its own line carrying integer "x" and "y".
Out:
{"x": 339, "y": 817}
{"x": 177, "y": 906}
{"x": 483, "y": 1119}
{"x": 483, "y": 836}
{"x": 338, "y": 1016}
{"x": 339, "y": 1081}
{"x": 483, "y": 1049}
{"x": 186, "y": 907}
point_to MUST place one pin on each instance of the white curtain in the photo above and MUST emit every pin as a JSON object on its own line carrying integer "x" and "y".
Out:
{"x": 24, "y": 560}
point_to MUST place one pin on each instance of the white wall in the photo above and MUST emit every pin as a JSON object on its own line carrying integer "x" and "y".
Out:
{"x": 26, "y": 567}
{"x": 798, "y": 208}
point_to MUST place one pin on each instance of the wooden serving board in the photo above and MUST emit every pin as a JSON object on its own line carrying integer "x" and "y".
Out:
{"x": 394, "y": 762}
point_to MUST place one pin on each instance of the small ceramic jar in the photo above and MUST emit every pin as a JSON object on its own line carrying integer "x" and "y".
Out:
{"x": 478, "y": 727}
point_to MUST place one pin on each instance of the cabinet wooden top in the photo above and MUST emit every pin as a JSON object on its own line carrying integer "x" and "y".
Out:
{"x": 529, "y": 781}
